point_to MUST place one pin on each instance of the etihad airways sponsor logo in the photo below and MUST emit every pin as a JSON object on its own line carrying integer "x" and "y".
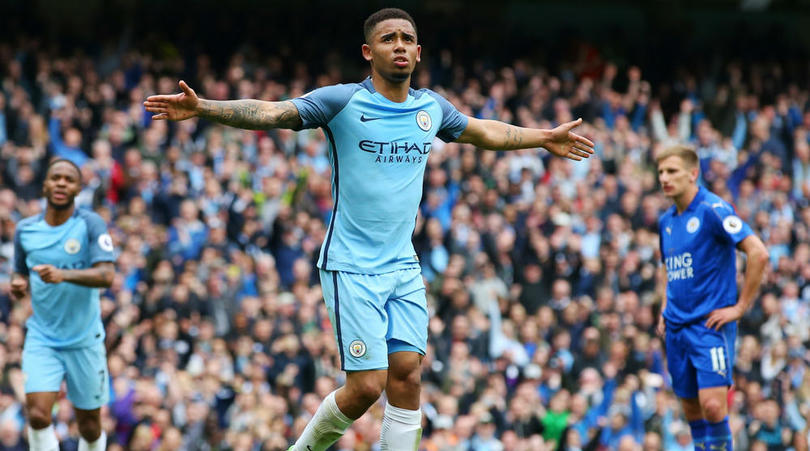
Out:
{"x": 396, "y": 151}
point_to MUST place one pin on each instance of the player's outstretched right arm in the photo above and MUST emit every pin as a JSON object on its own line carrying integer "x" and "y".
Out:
{"x": 248, "y": 114}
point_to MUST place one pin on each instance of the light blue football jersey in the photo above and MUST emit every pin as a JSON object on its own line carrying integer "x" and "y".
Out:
{"x": 66, "y": 315}
{"x": 698, "y": 249}
{"x": 378, "y": 152}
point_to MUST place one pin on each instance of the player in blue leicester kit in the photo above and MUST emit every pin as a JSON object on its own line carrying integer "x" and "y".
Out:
{"x": 380, "y": 134}
{"x": 698, "y": 239}
{"x": 65, "y": 255}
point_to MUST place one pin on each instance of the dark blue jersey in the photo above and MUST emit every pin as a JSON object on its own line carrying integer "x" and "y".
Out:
{"x": 698, "y": 249}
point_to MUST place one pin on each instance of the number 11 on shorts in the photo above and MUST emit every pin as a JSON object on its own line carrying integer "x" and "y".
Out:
{"x": 718, "y": 359}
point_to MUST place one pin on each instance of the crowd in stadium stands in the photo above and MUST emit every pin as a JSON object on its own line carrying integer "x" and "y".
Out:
{"x": 541, "y": 273}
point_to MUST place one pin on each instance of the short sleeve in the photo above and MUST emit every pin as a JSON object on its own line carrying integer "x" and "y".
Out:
{"x": 318, "y": 107}
{"x": 101, "y": 244}
{"x": 20, "y": 267}
{"x": 728, "y": 226}
{"x": 453, "y": 122}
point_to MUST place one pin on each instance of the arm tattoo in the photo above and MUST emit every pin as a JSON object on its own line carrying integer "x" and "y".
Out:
{"x": 251, "y": 114}
{"x": 514, "y": 138}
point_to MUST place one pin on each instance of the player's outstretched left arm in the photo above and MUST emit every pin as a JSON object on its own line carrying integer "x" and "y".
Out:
{"x": 99, "y": 276}
{"x": 757, "y": 254}
{"x": 496, "y": 135}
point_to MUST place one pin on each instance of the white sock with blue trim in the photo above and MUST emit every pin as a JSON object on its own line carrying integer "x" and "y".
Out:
{"x": 325, "y": 428}
{"x": 42, "y": 439}
{"x": 99, "y": 445}
{"x": 401, "y": 429}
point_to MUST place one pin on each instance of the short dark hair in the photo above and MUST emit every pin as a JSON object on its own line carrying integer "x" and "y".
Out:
{"x": 65, "y": 160}
{"x": 385, "y": 14}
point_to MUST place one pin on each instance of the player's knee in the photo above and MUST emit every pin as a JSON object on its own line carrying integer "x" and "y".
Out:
{"x": 714, "y": 409}
{"x": 367, "y": 390}
{"x": 406, "y": 368}
{"x": 38, "y": 418}
{"x": 409, "y": 379}
{"x": 90, "y": 429}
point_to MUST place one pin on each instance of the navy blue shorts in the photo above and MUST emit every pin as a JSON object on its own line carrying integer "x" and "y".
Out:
{"x": 699, "y": 357}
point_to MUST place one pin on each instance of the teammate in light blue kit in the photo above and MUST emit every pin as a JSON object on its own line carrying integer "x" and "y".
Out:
{"x": 698, "y": 238}
{"x": 65, "y": 255}
{"x": 380, "y": 133}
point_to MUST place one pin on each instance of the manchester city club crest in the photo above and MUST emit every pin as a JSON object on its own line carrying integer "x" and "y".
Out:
{"x": 423, "y": 120}
{"x": 72, "y": 246}
{"x": 357, "y": 348}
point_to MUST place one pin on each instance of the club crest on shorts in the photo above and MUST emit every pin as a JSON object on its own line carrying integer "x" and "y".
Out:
{"x": 423, "y": 120}
{"x": 72, "y": 246}
{"x": 357, "y": 348}
{"x": 692, "y": 225}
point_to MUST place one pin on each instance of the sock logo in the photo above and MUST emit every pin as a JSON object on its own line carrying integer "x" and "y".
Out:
{"x": 718, "y": 447}
{"x": 357, "y": 348}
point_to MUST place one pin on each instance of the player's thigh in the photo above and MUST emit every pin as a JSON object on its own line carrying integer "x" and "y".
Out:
{"x": 88, "y": 380}
{"x": 356, "y": 309}
{"x": 42, "y": 367}
{"x": 407, "y": 314}
{"x": 712, "y": 354}
{"x": 684, "y": 377}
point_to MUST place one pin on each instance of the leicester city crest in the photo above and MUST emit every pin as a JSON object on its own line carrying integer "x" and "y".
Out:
{"x": 692, "y": 225}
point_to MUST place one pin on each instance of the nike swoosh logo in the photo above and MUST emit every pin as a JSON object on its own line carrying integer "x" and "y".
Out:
{"x": 363, "y": 118}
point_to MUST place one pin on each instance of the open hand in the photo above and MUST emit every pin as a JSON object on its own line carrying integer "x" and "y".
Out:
{"x": 722, "y": 316}
{"x": 565, "y": 143}
{"x": 49, "y": 273}
{"x": 174, "y": 107}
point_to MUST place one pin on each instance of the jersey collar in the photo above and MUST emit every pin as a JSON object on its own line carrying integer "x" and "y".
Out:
{"x": 370, "y": 87}
{"x": 695, "y": 201}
